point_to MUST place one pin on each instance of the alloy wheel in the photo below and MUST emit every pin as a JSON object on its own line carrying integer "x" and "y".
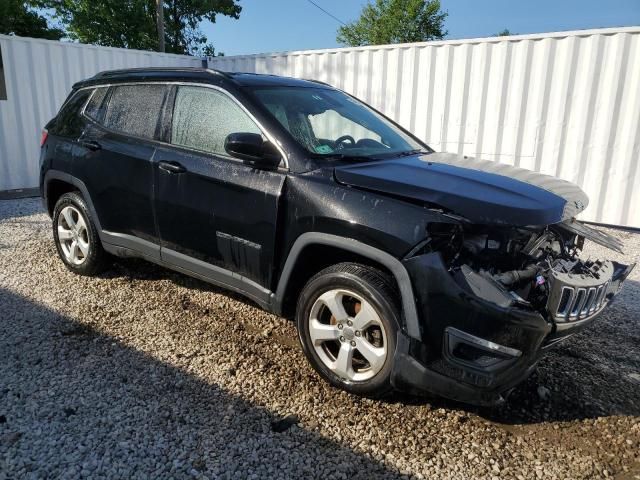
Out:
{"x": 73, "y": 235}
{"x": 348, "y": 335}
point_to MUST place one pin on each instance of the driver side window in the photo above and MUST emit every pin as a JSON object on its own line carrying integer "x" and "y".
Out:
{"x": 203, "y": 117}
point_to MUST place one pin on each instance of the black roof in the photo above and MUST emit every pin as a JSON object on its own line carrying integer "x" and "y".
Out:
{"x": 205, "y": 75}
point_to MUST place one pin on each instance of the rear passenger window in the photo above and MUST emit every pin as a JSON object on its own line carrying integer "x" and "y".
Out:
{"x": 97, "y": 105}
{"x": 135, "y": 109}
{"x": 203, "y": 117}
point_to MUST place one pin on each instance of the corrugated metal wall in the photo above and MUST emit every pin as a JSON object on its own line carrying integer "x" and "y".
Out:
{"x": 565, "y": 104}
{"x": 39, "y": 75}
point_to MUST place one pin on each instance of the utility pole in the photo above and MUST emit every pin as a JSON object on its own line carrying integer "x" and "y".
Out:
{"x": 160, "y": 23}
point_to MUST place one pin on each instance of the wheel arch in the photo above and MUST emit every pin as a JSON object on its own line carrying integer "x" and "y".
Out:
{"x": 55, "y": 189}
{"x": 292, "y": 280}
{"x": 57, "y": 183}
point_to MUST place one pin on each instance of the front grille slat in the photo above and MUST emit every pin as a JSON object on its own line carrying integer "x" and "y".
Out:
{"x": 597, "y": 299}
{"x": 566, "y": 300}
{"x": 581, "y": 296}
{"x": 591, "y": 294}
{"x": 604, "y": 293}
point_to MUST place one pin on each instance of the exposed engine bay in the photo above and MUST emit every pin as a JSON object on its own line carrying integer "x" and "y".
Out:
{"x": 529, "y": 267}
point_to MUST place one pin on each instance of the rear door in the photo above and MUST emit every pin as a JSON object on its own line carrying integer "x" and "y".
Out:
{"x": 215, "y": 213}
{"x": 115, "y": 161}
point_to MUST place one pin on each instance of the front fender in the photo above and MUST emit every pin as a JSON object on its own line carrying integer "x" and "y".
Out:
{"x": 391, "y": 263}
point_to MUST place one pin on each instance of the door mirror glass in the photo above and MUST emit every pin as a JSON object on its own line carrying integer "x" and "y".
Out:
{"x": 252, "y": 148}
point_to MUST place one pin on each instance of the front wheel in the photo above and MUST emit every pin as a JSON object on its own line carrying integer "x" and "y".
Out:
{"x": 348, "y": 319}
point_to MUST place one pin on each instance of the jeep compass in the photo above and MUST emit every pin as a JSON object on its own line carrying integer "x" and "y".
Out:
{"x": 404, "y": 268}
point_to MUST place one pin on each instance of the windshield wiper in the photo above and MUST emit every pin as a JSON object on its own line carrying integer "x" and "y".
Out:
{"x": 346, "y": 156}
{"x": 408, "y": 153}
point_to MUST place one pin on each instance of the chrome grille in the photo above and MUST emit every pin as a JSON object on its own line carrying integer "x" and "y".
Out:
{"x": 579, "y": 303}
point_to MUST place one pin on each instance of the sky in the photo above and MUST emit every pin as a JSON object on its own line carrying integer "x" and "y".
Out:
{"x": 281, "y": 25}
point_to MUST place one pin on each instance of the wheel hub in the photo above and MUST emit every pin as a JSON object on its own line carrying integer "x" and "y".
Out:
{"x": 348, "y": 333}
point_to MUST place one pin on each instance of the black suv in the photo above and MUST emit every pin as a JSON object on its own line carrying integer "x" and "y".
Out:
{"x": 404, "y": 268}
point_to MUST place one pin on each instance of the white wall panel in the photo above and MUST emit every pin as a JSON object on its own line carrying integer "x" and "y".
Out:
{"x": 39, "y": 75}
{"x": 565, "y": 104}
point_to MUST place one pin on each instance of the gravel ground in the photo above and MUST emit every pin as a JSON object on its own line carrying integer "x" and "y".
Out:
{"x": 145, "y": 373}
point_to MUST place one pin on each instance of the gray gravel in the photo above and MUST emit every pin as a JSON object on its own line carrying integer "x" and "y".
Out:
{"x": 145, "y": 373}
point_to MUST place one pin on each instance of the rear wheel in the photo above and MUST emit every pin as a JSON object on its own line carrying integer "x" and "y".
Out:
{"x": 347, "y": 319}
{"x": 76, "y": 236}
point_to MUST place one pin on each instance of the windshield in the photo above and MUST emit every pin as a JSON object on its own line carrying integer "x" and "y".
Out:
{"x": 329, "y": 123}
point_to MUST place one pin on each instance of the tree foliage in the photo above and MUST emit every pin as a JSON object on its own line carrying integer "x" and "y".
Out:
{"x": 504, "y": 33}
{"x": 16, "y": 18}
{"x": 395, "y": 21}
{"x": 132, "y": 23}
{"x": 182, "y": 18}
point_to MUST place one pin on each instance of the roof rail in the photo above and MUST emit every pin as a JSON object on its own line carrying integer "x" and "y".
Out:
{"x": 121, "y": 71}
{"x": 219, "y": 72}
{"x": 318, "y": 81}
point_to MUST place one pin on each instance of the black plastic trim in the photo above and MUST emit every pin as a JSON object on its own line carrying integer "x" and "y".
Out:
{"x": 393, "y": 264}
{"x": 220, "y": 276}
{"x": 79, "y": 184}
{"x": 148, "y": 250}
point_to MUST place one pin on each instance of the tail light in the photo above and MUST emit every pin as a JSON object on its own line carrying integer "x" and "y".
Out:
{"x": 43, "y": 138}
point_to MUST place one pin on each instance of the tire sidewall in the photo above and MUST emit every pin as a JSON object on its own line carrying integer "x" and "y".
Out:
{"x": 92, "y": 261}
{"x": 380, "y": 383}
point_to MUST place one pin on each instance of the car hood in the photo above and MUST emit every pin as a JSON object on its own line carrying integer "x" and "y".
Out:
{"x": 480, "y": 190}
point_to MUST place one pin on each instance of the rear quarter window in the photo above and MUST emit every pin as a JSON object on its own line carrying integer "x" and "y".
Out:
{"x": 135, "y": 109}
{"x": 68, "y": 122}
{"x": 97, "y": 105}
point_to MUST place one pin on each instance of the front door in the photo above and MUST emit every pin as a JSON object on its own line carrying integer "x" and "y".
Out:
{"x": 216, "y": 215}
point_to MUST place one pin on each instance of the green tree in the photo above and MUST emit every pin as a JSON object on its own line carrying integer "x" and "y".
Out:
{"x": 132, "y": 23}
{"x": 17, "y": 18}
{"x": 395, "y": 21}
{"x": 209, "y": 51}
{"x": 504, "y": 33}
{"x": 182, "y": 18}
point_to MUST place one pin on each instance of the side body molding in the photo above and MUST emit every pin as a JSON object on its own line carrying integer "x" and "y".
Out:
{"x": 393, "y": 264}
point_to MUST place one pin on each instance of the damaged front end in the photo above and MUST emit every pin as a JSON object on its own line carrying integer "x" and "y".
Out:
{"x": 493, "y": 298}
{"x": 540, "y": 269}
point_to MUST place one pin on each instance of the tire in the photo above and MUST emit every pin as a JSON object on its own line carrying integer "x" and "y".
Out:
{"x": 76, "y": 236}
{"x": 352, "y": 352}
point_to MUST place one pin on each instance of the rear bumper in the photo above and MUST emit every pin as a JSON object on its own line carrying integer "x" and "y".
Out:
{"x": 474, "y": 350}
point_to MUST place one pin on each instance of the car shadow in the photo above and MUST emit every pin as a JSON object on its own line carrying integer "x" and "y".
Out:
{"x": 593, "y": 374}
{"x": 138, "y": 269}
{"x": 66, "y": 385}
{"x": 14, "y": 209}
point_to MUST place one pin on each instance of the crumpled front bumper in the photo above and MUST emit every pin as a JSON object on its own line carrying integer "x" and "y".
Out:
{"x": 474, "y": 349}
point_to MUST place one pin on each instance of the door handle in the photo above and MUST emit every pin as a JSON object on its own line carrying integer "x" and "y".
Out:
{"x": 90, "y": 145}
{"x": 171, "y": 167}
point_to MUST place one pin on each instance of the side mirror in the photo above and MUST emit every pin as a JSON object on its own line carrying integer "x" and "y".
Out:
{"x": 253, "y": 149}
